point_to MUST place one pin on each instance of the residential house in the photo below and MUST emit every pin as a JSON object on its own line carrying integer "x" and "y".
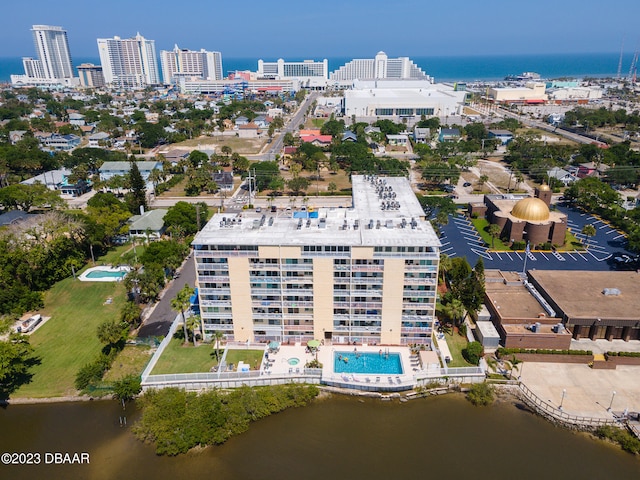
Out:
{"x": 16, "y": 135}
{"x": 591, "y": 169}
{"x": 349, "y": 136}
{"x": 317, "y": 140}
{"x": 149, "y": 225}
{"x": 111, "y": 169}
{"x": 99, "y": 139}
{"x": 505, "y": 136}
{"x": 449, "y": 135}
{"x": 241, "y": 120}
{"x": 249, "y": 130}
{"x": 224, "y": 180}
{"x": 76, "y": 119}
{"x": 13, "y": 217}
{"x": 262, "y": 121}
{"x": 421, "y": 135}
{"x": 57, "y": 142}
{"x": 59, "y": 180}
{"x": 400, "y": 140}
{"x": 561, "y": 175}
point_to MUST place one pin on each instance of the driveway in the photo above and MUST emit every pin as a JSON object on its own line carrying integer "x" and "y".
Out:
{"x": 158, "y": 323}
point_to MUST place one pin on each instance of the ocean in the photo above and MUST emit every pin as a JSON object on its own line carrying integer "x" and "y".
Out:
{"x": 443, "y": 69}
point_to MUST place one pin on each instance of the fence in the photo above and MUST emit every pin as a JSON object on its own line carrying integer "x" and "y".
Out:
{"x": 556, "y": 414}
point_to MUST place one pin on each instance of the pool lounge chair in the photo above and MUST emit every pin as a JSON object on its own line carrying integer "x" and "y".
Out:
{"x": 377, "y": 379}
{"x": 390, "y": 380}
{"x": 398, "y": 380}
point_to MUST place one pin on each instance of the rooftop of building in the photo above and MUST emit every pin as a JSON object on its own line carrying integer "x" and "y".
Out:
{"x": 509, "y": 296}
{"x": 400, "y": 223}
{"x": 580, "y": 294}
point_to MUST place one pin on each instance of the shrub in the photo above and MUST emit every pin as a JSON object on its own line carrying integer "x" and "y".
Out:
{"x": 625, "y": 439}
{"x": 481, "y": 394}
{"x": 473, "y": 352}
{"x": 518, "y": 245}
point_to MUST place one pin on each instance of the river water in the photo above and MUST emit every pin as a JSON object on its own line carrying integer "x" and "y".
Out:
{"x": 334, "y": 438}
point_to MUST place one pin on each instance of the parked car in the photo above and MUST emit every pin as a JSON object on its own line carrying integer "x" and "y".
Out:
{"x": 466, "y": 184}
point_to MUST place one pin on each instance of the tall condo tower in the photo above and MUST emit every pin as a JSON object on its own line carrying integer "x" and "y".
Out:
{"x": 53, "y": 51}
{"x": 129, "y": 63}
{"x": 191, "y": 64}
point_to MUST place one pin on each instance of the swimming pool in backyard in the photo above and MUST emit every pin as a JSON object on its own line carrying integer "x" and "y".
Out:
{"x": 105, "y": 274}
{"x": 367, "y": 362}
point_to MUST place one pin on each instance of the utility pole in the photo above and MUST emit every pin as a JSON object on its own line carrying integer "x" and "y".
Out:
{"x": 198, "y": 216}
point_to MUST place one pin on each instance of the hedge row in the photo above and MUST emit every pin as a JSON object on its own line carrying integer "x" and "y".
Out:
{"x": 623, "y": 354}
{"x": 510, "y": 351}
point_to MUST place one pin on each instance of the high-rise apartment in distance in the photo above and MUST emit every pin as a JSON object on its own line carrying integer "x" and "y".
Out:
{"x": 53, "y": 65}
{"x": 129, "y": 63}
{"x": 190, "y": 64}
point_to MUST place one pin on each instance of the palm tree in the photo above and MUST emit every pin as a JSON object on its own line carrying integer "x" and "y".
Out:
{"x": 192, "y": 324}
{"x": 445, "y": 265}
{"x": 588, "y": 231}
{"x": 494, "y": 230}
{"x": 181, "y": 303}
{"x": 217, "y": 335}
{"x": 455, "y": 311}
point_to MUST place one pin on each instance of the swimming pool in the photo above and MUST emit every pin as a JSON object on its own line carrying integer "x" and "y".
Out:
{"x": 106, "y": 274}
{"x": 367, "y": 362}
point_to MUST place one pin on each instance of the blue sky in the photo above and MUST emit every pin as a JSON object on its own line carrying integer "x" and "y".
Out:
{"x": 332, "y": 28}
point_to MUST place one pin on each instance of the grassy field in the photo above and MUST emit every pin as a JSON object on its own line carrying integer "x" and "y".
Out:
{"x": 481, "y": 224}
{"x": 130, "y": 361}
{"x": 122, "y": 254}
{"x": 456, "y": 343}
{"x": 68, "y": 340}
{"x": 240, "y": 145}
{"x": 250, "y": 357}
{"x": 177, "y": 358}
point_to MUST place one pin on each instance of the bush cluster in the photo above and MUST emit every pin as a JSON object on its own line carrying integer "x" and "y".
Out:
{"x": 176, "y": 420}
{"x": 481, "y": 394}
{"x": 625, "y": 439}
{"x": 501, "y": 352}
{"x": 172, "y": 182}
{"x": 92, "y": 372}
{"x": 622, "y": 354}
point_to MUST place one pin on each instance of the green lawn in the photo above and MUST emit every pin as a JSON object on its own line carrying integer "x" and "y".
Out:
{"x": 179, "y": 358}
{"x": 456, "y": 343}
{"x": 250, "y": 357}
{"x": 68, "y": 340}
{"x": 481, "y": 224}
{"x": 123, "y": 254}
{"x": 130, "y": 361}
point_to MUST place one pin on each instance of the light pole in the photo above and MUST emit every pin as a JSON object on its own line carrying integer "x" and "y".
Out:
{"x": 564, "y": 392}
{"x": 613, "y": 395}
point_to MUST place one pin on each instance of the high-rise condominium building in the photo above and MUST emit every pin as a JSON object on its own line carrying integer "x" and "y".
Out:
{"x": 309, "y": 73}
{"x": 190, "y": 64}
{"x": 91, "y": 75}
{"x": 379, "y": 67}
{"x": 53, "y": 65}
{"x": 129, "y": 63}
{"x": 361, "y": 274}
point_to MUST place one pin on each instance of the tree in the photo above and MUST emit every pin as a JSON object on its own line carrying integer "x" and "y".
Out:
{"x": 473, "y": 352}
{"x": 588, "y": 231}
{"x": 126, "y": 388}
{"x": 183, "y": 215}
{"x": 217, "y": 336}
{"x": 332, "y": 187}
{"x": 24, "y": 197}
{"x": 138, "y": 195}
{"x": 298, "y": 185}
{"x": 15, "y": 360}
{"x": 130, "y": 314}
{"x": 455, "y": 311}
{"x": 494, "y": 230}
{"x": 181, "y": 303}
{"x": 193, "y": 322}
{"x": 112, "y": 332}
{"x": 480, "y": 394}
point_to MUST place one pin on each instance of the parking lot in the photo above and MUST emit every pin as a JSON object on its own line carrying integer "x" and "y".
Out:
{"x": 460, "y": 239}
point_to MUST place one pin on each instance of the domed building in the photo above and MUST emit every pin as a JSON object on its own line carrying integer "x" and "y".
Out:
{"x": 524, "y": 218}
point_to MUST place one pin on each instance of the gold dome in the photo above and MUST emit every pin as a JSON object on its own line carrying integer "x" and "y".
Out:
{"x": 532, "y": 209}
{"x": 544, "y": 187}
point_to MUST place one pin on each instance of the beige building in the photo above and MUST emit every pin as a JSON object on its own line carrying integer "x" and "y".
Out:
{"x": 366, "y": 274}
{"x": 532, "y": 92}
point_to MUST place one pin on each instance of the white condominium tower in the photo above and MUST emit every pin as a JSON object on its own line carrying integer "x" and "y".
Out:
{"x": 53, "y": 51}
{"x": 379, "y": 67}
{"x": 130, "y": 62}
{"x": 309, "y": 73}
{"x": 361, "y": 274}
{"x": 53, "y": 65}
{"x": 189, "y": 63}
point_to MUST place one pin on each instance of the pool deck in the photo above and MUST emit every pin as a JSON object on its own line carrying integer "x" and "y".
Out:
{"x": 325, "y": 356}
{"x": 83, "y": 277}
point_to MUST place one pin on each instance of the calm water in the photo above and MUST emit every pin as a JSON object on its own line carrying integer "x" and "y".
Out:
{"x": 452, "y": 68}
{"x": 367, "y": 362}
{"x": 337, "y": 438}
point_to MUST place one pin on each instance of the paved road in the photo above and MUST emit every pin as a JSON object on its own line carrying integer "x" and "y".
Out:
{"x": 157, "y": 325}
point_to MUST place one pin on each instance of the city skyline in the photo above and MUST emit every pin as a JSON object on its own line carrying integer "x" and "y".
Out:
{"x": 287, "y": 30}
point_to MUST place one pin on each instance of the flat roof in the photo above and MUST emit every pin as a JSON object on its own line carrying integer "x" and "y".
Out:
{"x": 332, "y": 226}
{"x": 579, "y": 294}
{"x": 513, "y": 300}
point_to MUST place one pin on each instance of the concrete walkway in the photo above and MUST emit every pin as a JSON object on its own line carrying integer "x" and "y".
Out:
{"x": 587, "y": 392}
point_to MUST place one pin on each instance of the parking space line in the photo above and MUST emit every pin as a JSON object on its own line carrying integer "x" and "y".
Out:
{"x": 508, "y": 255}
{"x": 519, "y": 256}
{"x": 544, "y": 256}
{"x": 610, "y": 232}
{"x": 482, "y": 254}
{"x": 583, "y": 257}
{"x": 572, "y": 257}
{"x": 615, "y": 238}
